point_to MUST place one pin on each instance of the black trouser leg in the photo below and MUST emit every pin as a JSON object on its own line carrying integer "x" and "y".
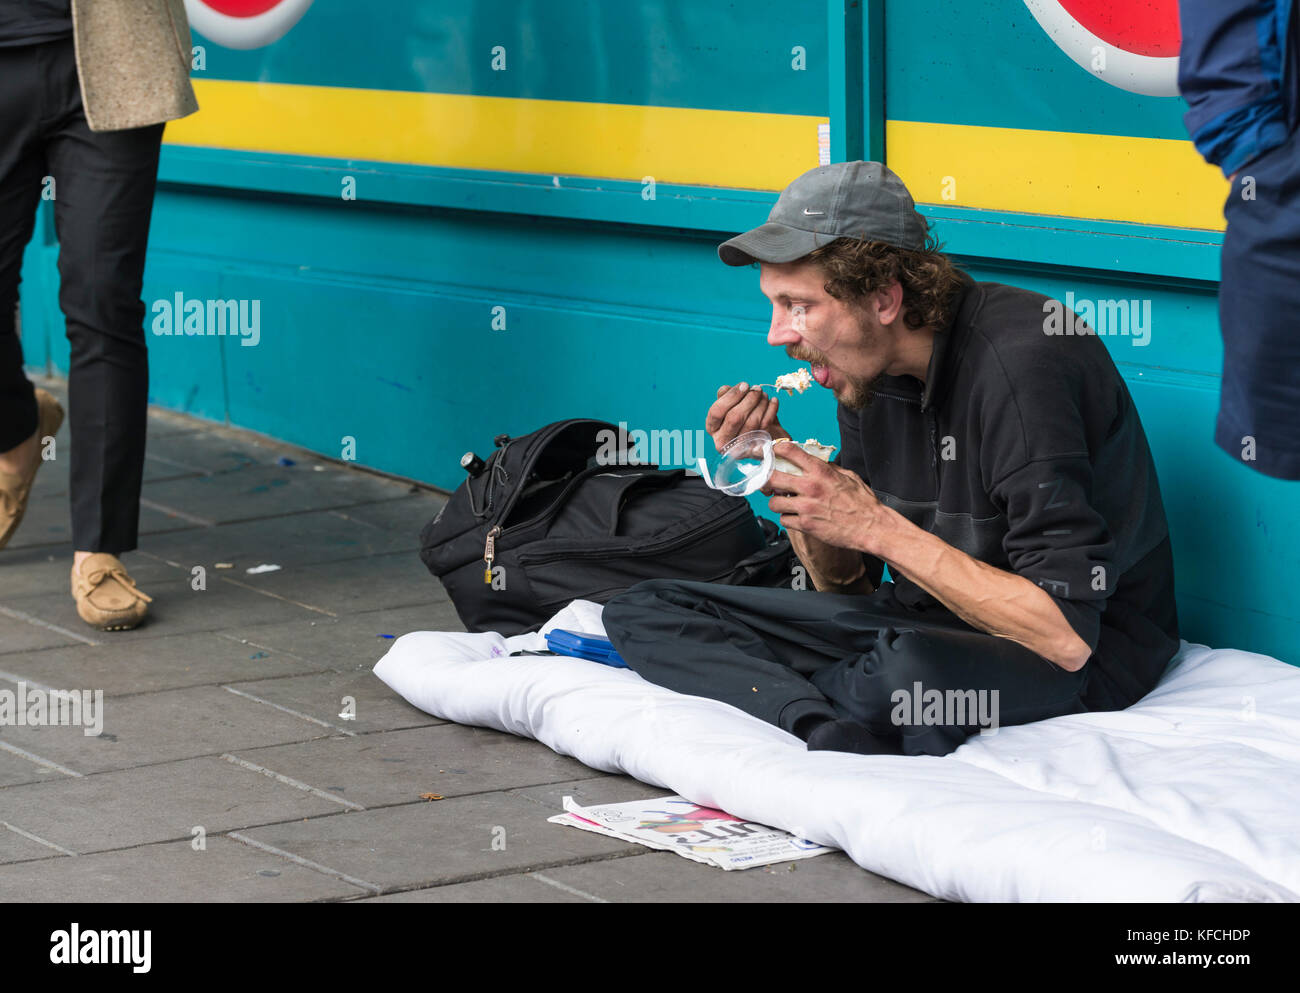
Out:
{"x": 105, "y": 188}
{"x": 21, "y": 167}
{"x": 784, "y": 656}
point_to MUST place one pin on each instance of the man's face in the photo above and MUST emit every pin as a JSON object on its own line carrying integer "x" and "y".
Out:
{"x": 846, "y": 345}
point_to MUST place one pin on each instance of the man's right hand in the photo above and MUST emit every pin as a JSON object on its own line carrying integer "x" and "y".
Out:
{"x": 739, "y": 409}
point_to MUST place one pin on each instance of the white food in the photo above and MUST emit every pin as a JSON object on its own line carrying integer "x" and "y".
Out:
{"x": 794, "y": 382}
{"x": 812, "y": 446}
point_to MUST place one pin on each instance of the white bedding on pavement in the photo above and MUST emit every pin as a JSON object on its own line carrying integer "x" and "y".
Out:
{"x": 1193, "y": 794}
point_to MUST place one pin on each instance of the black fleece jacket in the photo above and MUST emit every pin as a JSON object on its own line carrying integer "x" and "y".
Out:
{"x": 1024, "y": 450}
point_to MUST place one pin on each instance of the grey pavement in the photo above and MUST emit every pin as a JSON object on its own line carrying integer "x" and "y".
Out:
{"x": 225, "y": 771}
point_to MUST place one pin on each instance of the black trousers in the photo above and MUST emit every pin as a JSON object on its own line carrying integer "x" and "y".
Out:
{"x": 785, "y": 656}
{"x": 102, "y": 186}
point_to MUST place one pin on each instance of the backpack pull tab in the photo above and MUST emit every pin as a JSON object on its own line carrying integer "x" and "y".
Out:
{"x": 490, "y": 551}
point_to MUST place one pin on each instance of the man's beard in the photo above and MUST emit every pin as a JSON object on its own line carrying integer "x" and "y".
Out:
{"x": 860, "y": 393}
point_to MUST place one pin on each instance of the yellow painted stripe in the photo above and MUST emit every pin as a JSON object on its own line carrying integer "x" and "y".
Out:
{"x": 1146, "y": 180}
{"x": 674, "y": 145}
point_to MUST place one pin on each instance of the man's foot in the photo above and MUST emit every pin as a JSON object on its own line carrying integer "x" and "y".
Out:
{"x": 18, "y": 466}
{"x": 849, "y": 736}
{"x": 106, "y": 596}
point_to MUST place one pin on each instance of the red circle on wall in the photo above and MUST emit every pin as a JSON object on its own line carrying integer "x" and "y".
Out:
{"x": 245, "y": 23}
{"x": 1145, "y": 27}
{"x": 241, "y": 8}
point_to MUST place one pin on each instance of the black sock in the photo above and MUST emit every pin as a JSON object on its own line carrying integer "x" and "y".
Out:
{"x": 849, "y": 736}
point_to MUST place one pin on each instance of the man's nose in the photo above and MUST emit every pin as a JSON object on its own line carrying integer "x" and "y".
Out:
{"x": 782, "y": 331}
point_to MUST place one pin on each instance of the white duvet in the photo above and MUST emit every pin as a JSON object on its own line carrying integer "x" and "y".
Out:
{"x": 1191, "y": 795}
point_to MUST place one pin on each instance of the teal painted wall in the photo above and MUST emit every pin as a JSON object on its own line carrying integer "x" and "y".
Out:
{"x": 376, "y": 315}
{"x": 662, "y": 53}
{"x": 988, "y": 63}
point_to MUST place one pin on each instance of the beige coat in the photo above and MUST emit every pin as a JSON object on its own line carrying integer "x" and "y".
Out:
{"x": 133, "y": 59}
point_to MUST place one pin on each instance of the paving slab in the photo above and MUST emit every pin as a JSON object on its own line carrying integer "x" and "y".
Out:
{"x": 163, "y": 422}
{"x": 15, "y": 769}
{"x": 353, "y": 642}
{"x": 170, "y": 662}
{"x": 393, "y": 767}
{"x": 601, "y": 788}
{"x": 296, "y": 539}
{"x": 520, "y": 887}
{"x": 48, "y": 522}
{"x": 225, "y": 872}
{"x": 15, "y": 847}
{"x": 326, "y": 696}
{"x": 53, "y": 479}
{"x": 206, "y": 453}
{"x": 270, "y": 490}
{"x": 177, "y": 608}
{"x": 452, "y": 840}
{"x": 395, "y": 580}
{"x": 156, "y": 803}
{"x": 22, "y": 632}
{"x": 164, "y": 727}
{"x": 407, "y": 515}
{"x": 47, "y": 569}
{"x": 664, "y": 877}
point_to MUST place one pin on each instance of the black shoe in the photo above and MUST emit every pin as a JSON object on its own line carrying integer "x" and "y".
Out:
{"x": 849, "y": 736}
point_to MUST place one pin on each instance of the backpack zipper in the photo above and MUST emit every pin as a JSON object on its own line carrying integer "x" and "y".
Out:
{"x": 667, "y": 544}
{"x": 490, "y": 551}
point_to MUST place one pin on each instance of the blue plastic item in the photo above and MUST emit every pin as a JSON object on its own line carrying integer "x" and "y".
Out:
{"x": 582, "y": 645}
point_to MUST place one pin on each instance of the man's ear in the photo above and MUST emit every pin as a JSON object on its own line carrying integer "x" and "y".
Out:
{"x": 889, "y": 303}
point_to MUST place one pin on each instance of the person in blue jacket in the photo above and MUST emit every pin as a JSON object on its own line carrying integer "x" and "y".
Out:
{"x": 1239, "y": 72}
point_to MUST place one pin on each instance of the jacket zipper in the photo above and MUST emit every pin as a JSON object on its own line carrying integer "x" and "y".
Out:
{"x": 934, "y": 449}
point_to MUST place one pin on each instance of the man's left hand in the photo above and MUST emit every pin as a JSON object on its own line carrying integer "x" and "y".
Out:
{"x": 827, "y": 502}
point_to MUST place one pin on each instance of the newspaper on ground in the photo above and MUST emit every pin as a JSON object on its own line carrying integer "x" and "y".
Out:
{"x": 675, "y": 824}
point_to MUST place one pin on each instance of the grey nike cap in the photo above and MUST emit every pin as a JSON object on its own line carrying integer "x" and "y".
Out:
{"x": 845, "y": 200}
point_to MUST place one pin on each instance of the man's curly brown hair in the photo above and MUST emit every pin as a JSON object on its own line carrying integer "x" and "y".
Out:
{"x": 854, "y": 269}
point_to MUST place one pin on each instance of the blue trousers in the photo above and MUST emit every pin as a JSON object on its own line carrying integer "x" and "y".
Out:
{"x": 1259, "y": 314}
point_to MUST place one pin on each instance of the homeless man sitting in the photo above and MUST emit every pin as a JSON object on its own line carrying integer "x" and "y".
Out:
{"x": 995, "y": 464}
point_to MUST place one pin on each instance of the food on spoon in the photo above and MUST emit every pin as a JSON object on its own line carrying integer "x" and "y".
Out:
{"x": 794, "y": 382}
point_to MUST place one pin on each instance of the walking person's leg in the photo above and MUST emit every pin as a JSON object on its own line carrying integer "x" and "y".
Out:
{"x": 105, "y": 185}
{"x": 1259, "y": 307}
{"x": 26, "y": 415}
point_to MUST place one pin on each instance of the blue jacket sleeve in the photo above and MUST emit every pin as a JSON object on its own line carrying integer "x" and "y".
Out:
{"x": 1237, "y": 71}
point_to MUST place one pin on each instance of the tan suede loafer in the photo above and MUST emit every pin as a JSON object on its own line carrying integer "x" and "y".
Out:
{"x": 16, "y": 487}
{"x": 106, "y": 596}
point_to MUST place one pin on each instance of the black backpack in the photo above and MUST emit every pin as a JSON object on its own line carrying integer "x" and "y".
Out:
{"x": 565, "y": 513}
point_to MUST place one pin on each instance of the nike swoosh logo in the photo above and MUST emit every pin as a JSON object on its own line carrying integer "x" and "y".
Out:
{"x": 813, "y": 213}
